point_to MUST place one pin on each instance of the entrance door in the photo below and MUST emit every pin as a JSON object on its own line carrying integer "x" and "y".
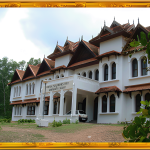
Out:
{"x": 95, "y": 108}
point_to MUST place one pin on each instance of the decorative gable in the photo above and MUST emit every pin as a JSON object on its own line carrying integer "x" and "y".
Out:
{"x": 83, "y": 52}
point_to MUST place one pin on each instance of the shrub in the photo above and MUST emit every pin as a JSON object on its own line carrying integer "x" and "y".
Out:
{"x": 77, "y": 121}
{"x": 66, "y": 121}
{"x": 56, "y": 124}
{"x": 26, "y": 120}
{"x": 138, "y": 130}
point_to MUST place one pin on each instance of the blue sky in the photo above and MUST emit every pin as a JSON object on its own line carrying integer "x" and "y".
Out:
{"x": 33, "y": 32}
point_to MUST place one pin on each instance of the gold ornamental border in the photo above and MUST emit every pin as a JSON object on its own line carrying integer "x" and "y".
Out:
{"x": 77, "y": 3}
{"x": 75, "y": 145}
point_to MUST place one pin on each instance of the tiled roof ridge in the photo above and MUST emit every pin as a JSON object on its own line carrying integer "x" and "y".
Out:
{"x": 32, "y": 69}
{"x": 92, "y": 44}
{"x": 81, "y": 62}
{"x": 48, "y": 63}
{"x": 109, "y": 87}
{"x": 17, "y": 70}
{"x": 62, "y": 48}
{"x": 109, "y": 52}
{"x": 88, "y": 46}
{"x": 59, "y": 67}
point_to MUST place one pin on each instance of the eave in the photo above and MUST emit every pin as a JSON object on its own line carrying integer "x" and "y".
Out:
{"x": 54, "y": 56}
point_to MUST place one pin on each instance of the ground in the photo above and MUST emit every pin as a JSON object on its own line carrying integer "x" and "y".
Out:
{"x": 82, "y": 132}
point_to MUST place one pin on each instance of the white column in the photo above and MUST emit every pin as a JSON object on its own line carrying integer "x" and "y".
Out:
{"x": 93, "y": 75}
{"x": 51, "y": 104}
{"x": 14, "y": 110}
{"x": 139, "y": 68}
{"x": 74, "y": 99}
{"x": 99, "y": 105}
{"x": 110, "y": 72}
{"x": 41, "y": 104}
{"x": 117, "y": 71}
{"x": 133, "y": 103}
{"x": 61, "y": 103}
{"x": 57, "y": 108}
{"x": 108, "y": 103}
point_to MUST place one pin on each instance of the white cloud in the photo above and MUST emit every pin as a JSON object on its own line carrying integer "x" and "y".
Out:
{"x": 13, "y": 42}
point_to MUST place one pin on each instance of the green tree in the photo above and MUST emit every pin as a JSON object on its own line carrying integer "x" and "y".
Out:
{"x": 7, "y": 68}
{"x": 33, "y": 61}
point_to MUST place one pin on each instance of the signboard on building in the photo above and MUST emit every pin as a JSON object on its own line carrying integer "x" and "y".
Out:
{"x": 59, "y": 86}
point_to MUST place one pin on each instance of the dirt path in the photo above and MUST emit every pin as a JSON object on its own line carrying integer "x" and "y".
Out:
{"x": 98, "y": 133}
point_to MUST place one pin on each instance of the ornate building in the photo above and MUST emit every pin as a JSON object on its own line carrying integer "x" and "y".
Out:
{"x": 96, "y": 76}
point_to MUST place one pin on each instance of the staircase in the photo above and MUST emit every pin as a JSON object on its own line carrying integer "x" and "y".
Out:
{"x": 93, "y": 121}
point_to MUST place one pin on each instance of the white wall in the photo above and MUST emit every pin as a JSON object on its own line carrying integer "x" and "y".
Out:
{"x": 63, "y": 60}
{"x": 112, "y": 44}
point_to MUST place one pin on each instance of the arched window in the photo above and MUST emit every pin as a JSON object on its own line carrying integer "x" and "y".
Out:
{"x": 19, "y": 90}
{"x": 134, "y": 68}
{"x": 147, "y": 97}
{"x": 84, "y": 74}
{"x": 106, "y": 72}
{"x": 57, "y": 76}
{"x": 90, "y": 74}
{"x": 55, "y": 107}
{"x": 143, "y": 67}
{"x": 62, "y": 75}
{"x": 33, "y": 86}
{"x": 41, "y": 86}
{"x": 30, "y": 88}
{"x": 27, "y": 89}
{"x": 114, "y": 70}
{"x": 14, "y": 92}
{"x": 112, "y": 103}
{"x": 96, "y": 74}
{"x": 104, "y": 104}
{"x": 137, "y": 102}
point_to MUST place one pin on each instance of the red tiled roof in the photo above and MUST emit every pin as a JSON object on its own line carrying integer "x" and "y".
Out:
{"x": 25, "y": 102}
{"x": 137, "y": 88}
{"x": 108, "y": 54}
{"x": 29, "y": 77}
{"x": 20, "y": 73}
{"x": 45, "y": 72}
{"x": 108, "y": 89}
{"x": 34, "y": 69}
{"x": 92, "y": 47}
{"x": 62, "y": 48}
{"x": 50, "y": 62}
{"x": 38, "y": 65}
{"x": 60, "y": 67}
{"x": 133, "y": 48}
{"x": 82, "y": 62}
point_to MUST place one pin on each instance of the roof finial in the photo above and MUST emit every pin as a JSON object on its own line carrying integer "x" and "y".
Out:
{"x": 138, "y": 20}
{"x": 82, "y": 37}
{"x": 128, "y": 20}
{"x": 79, "y": 39}
{"x": 114, "y": 18}
{"x": 92, "y": 36}
{"x": 44, "y": 55}
{"x": 67, "y": 37}
{"x": 133, "y": 21}
{"x": 104, "y": 23}
{"x": 57, "y": 42}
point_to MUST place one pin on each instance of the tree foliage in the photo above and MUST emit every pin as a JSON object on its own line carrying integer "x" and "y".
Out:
{"x": 139, "y": 129}
{"x": 7, "y": 68}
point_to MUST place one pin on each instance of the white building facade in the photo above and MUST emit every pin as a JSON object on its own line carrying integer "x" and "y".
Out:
{"x": 97, "y": 76}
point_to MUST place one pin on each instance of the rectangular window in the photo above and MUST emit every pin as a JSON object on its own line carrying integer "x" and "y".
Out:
{"x": 46, "y": 110}
{"x": 31, "y": 110}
